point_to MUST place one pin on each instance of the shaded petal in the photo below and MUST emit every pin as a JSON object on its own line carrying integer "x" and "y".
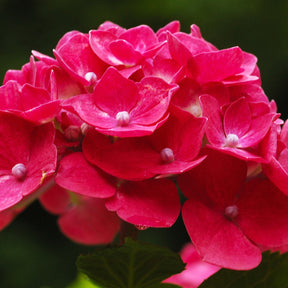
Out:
{"x": 263, "y": 213}
{"x": 76, "y": 174}
{"x": 217, "y": 65}
{"x": 89, "y": 222}
{"x": 219, "y": 241}
{"x": 152, "y": 203}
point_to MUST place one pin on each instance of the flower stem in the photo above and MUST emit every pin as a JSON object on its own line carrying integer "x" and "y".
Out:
{"x": 127, "y": 230}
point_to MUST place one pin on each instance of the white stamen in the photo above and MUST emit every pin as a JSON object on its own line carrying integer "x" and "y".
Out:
{"x": 231, "y": 211}
{"x": 91, "y": 78}
{"x": 231, "y": 140}
{"x": 19, "y": 171}
{"x": 123, "y": 118}
{"x": 167, "y": 155}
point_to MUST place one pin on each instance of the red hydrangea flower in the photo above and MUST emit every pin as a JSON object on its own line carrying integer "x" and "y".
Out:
{"x": 172, "y": 149}
{"x": 239, "y": 127}
{"x": 150, "y": 203}
{"x": 229, "y": 220}
{"x": 128, "y": 108}
{"x": 124, "y": 49}
{"x": 27, "y": 158}
{"x": 75, "y": 55}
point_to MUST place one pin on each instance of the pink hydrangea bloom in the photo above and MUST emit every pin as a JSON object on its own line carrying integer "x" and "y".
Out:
{"x": 120, "y": 116}
{"x": 27, "y": 158}
{"x": 239, "y": 217}
{"x": 128, "y": 108}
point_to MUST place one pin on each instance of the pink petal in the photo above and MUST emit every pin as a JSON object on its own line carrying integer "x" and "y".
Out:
{"x": 196, "y": 270}
{"x": 10, "y": 96}
{"x": 154, "y": 96}
{"x": 56, "y": 200}
{"x": 219, "y": 241}
{"x": 214, "y": 127}
{"x": 141, "y": 37}
{"x": 43, "y": 157}
{"x": 172, "y": 27}
{"x": 237, "y": 118}
{"x": 263, "y": 213}
{"x": 277, "y": 171}
{"x": 178, "y": 50}
{"x": 89, "y": 222}
{"x": 11, "y": 191}
{"x": 77, "y": 58}
{"x": 120, "y": 93}
{"x": 125, "y": 52}
{"x": 217, "y": 65}
{"x": 77, "y": 175}
{"x": 152, "y": 203}
{"x": 99, "y": 42}
{"x": 219, "y": 177}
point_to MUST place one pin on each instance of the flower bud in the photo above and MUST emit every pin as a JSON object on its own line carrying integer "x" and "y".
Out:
{"x": 19, "y": 171}
{"x": 72, "y": 133}
{"x": 167, "y": 155}
{"x": 231, "y": 211}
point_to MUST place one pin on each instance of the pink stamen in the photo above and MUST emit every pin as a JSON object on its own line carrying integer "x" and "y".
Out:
{"x": 167, "y": 155}
{"x": 19, "y": 171}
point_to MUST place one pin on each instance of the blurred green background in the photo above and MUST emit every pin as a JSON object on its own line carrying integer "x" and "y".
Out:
{"x": 33, "y": 253}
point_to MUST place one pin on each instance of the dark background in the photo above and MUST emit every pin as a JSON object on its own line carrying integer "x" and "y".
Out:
{"x": 33, "y": 253}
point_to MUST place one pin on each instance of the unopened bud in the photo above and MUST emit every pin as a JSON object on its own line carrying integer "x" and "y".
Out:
{"x": 167, "y": 155}
{"x": 19, "y": 171}
{"x": 122, "y": 118}
{"x": 231, "y": 211}
{"x": 72, "y": 133}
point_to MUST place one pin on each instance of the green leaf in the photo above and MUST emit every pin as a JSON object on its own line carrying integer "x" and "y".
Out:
{"x": 82, "y": 282}
{"x": 132, "y": 265}
{"x": 271, "y": 273}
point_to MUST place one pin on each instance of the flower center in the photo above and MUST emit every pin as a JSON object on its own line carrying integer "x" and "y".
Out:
{"x": 167, "y": 155}
{"x": 123, "y": 118}
{"x": 231, "y": 140}
{"x": 19, "y": 171}
{"x": 91, "y": 78}
{"x": 231, "y": 211}
{"x": 72, "y": 133}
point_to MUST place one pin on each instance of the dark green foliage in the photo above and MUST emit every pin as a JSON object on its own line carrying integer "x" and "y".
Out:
{"x": 133, "y": 265}
{"x": 272, "y": 272}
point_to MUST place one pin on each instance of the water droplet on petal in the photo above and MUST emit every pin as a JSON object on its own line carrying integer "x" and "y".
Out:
{"x": 123, "y": 118}
{"x": 19, "y": 171}
{"x": 231, "y": 211}
{"x": 231, "y": 140}
{"x": 141, "y": 227}
{"x": 167, "y": 155}
{"x": 91, "y": 78}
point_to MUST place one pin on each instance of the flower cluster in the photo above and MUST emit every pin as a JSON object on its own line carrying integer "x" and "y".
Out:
{"x": 111, "y": 127}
